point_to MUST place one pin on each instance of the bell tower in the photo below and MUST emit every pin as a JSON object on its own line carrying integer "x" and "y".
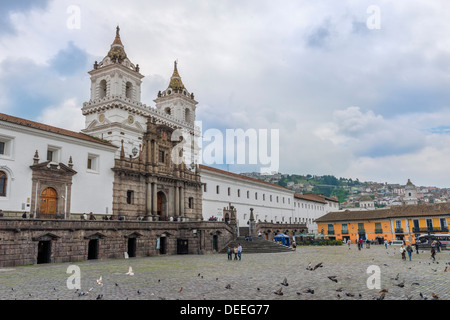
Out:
{"x": 176, "y": 100}
{"x": 114, "y": 111}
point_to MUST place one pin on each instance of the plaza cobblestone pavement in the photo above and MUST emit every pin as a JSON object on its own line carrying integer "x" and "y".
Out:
{"x": 255, "y": 277}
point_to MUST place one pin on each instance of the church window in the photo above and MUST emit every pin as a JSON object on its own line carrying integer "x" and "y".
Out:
{"x": 187, "y": 115}
{"x": 130, "y": 197}
{"x": 248, "y": 194}
{"x": 270, "y": 198}
{"x": 264, "y": 197}
{"x": 239, "y": 193}
{"x": 3, "y": 183}
{"x": 191, "y": 203}
{"x": 102, "y": 89}
{"x": 217, "y": 189}
{"x": 2, "y": 147}
{"x": 161, "y": 156}
{"x": 92, "y": 162}
{"x": 229, "y": 191}
{"x": 129, "y": 90}
{"x": 168, "y": 111}
{"x": 256, "y": 195}
{"x": 204, "y": 188}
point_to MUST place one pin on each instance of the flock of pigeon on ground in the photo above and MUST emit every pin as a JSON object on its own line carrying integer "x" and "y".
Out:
{"x": 381, "y": 294}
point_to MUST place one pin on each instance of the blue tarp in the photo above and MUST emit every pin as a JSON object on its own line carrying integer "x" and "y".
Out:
{"x": 281, "y": 237}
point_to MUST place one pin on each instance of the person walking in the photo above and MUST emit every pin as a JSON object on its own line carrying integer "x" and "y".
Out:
{"x": 385, "y": 243}
{"x": 403, "y": 252}
{"x": 417, "y": 247}
{"x": 230, "y": 252}
{"x": 433, "y": 253}
{"x": 349, "y": 243}
{"x": 409, "y": 250}
{"x": 239, "y": 251}
{"x": 235, "y": 250}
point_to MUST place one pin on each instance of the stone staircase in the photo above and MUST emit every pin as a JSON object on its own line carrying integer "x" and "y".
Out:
{"x": 258, "y": 245}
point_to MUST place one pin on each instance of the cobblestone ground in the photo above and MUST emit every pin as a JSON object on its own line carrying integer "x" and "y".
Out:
{"x": 255, "y": 277}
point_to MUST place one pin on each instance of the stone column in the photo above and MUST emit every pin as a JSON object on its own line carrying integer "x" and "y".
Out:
{"x": 154, "y": 199}
{"x": 182, "y": 212}
{"x": 149, "y": 199}
{"x": 177, "y": 201}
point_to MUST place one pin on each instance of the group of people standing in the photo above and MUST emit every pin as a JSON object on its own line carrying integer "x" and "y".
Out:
{"x": 237, "y": 250}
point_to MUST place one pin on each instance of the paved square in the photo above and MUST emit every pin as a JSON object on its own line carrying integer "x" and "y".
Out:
{"x": 255, "y": 277}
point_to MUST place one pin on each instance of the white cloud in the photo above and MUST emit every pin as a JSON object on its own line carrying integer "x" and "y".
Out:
{"x": 67, "y": 116}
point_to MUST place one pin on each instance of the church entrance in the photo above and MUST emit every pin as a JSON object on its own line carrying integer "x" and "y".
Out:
{"x": 49, "y": 201}
{"x": 131, "y": 247}
{"x": 93, "y": 249}
{"x": 44, "y": 251}
{"x": 161, "y": 207}
{"x": 182, "y": 246}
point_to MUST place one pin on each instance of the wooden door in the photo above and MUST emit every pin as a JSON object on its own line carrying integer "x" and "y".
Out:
{"x": 49, "y": 202}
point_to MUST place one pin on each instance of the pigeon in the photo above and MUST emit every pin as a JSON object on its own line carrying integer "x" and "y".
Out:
{"x": 257, "y": 289}
{"x": 138, "y": 292}
{"x": 401, "y": 284}
{"x": 360, "y": 295}
{"x": 383, "y": 291}
{"x": 99, "y": 281}
{"x": 381, "y": 296}
{"x": 117, "y": 284}
{"x": 99, "y": 297}
{"x": 130, "y": 272}
{"x": 421, "y": 295}
{"x": 339, "y": 296}
{"x": 348, "y": 294}
{"x": 415, "y": 284}
{"x": 434, "y": 295}
{"x": 159, "y": 280}
{"x": 309, "y": 291}
{"x": 318, "y": 266}
{"x": 333, "y": 278}
{"x": 396, "y": 278}
{"x": 181, "y": 289}
{"x": 278, "y": 292}
{"x": 340, "y": 289}
{"x": 285, "y": 283}
{"x": 228, "y": 286}
{"x": 309, "y": 267}
{"x": 299, "y": 293}
{"x": 198, "y": 275}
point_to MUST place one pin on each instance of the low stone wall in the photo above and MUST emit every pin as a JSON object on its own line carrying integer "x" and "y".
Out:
{"x": 69, "y": 239}
{"x": 270, "y": 230}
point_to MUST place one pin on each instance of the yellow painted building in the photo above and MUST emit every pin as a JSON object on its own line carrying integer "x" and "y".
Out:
{"x": 396, "y": 223}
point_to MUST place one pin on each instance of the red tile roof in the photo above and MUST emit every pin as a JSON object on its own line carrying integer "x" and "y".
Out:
{"x": 235, "y": 175}
{"x": 310, "y": 197}
{"x": 420, "y": 210}
{"x": 44, "y": 127}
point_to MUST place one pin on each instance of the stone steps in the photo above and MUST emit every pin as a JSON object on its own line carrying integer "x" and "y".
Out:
{"x": 258, "y": 245}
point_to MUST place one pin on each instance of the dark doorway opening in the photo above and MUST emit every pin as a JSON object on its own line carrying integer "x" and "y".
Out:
{"x": 162, "y": 245}
{"x": 182, "y": 246}
{"x": 93, "y": 249}
{"x": 215, "y": 242}
{"x": 132, "y": 247}
{"x": 44, "y": 251}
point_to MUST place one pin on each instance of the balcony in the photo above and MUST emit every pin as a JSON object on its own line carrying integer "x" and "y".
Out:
{"x": 330, "y": 232}
{"x": 361, "y": 230}
{"x": 344, "y": 231}
{"x": 430, "y": 229}
{"x": 378, "y": 230}
{"x": 399, "y": 230}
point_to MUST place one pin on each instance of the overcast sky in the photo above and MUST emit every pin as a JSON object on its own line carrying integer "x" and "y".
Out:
{"x": 349, "y": 100}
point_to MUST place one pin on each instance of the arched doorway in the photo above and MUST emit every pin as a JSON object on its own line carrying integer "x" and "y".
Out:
{"x": 49, "y": 202}
{"x": 161, "y": 208}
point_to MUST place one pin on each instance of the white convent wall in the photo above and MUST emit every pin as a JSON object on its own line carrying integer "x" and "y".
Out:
{"x": 264, "y": 209}
{"x": 92, "y": 190}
